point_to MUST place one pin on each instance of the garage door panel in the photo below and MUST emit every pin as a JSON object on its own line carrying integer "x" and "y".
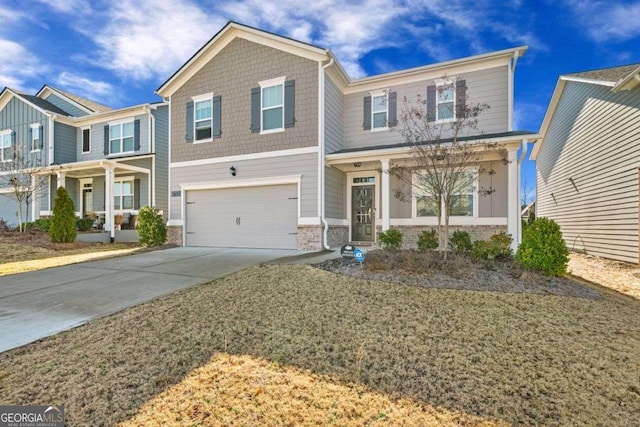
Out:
{"x": 252, "y": 217}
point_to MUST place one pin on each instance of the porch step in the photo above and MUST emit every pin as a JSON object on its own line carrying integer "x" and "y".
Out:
{"x": 363, "y": 244}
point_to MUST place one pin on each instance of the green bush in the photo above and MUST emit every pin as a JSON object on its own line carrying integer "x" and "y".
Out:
{"x": 84, "y": 224}
{"x": 27, "y": 226}
{"x": 390, "y": 239}
{"x": 461, "y": 242}
{"x": 543, "y": 249}
{"x": 151, "y": 227}
{"x": 498, "y": 247}
{"x": 428, "y": 240}
{"x": 42, "y": 224}
{"x": 63, "y": 223}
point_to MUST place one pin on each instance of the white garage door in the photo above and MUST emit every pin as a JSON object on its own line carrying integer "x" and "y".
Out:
{"x": 249, "y": 217}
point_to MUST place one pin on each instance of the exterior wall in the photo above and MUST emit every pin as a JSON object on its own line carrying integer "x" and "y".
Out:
{"x": 304, "y": 164}
{"x": 65, "y": 105}
{"x": 592, "y": 139}
{"x": 334, "y": 112}
{"x": 64, "y": 143}
{"x": 18, "y": 116}
{"x": 410, "y": 233}
{"x": 97, "y": 141}
{"x": 232, "y": 74}
{"x": 486, "y": 86}
{"x": 161, "y": 149}
{"x": 9, "y": 210}
{"x": 335, "y": 193}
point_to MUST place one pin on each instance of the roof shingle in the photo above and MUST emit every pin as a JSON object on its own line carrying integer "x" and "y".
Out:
{"x": 613, "y": 74}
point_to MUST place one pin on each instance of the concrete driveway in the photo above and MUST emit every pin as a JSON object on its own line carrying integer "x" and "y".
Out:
{"x": 41, "y": 303}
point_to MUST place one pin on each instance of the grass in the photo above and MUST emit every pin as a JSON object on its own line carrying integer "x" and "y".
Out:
{"x": 523, "y": 359}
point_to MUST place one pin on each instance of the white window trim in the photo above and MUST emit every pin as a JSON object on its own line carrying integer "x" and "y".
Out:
{"x": 121, "y": 123}
{"x": 266, "y": 84}
{"x": 446, "y": 82}
{"x": 82, "y": 139}
{"x": 476, "y": 197}
{"x": 2, "y": 134}
{"x": 374, "y": 94}
{"x": 121, "y": 179}
{"x": 35, "y": 126}
{"x": 196, "y": 99}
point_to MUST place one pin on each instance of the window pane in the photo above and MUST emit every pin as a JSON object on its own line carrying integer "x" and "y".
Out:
{"x": 204, "y": 133}
{"x": 127, "y": 129}
{"x": 114, "y": 132}
{"x": 127, "y": 187}
{"x": 35, "y": 133}
{"x": 272, "y": 119}
{"x": 379, "y": 120}
{"x": 127, "y": 144}
{"x": 127, "y": 202}
{"x": 426, "y": 206}
{"x": 445, "y": 111}
{"x": 116, "y": 202}
{"x": 203, "y": 110}
{"x": 379, "y": 103}
{"x": 115, "y": 146}
{"x": 272, "y": 96}
{"x": 462, "y": 205}
{"x": 117, "y": 188}
{"x": 445, "y": 94}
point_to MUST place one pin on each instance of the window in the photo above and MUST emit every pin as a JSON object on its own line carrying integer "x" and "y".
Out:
{"x": 272, "y": 105}
{"x": 379, "y": 111}
{"x": 123, "y": 194}
{"x": 463, "y": 200}
{"x": 6, "y": 148}
{"x": 121, "y": 138}
{"x": 86, "y": 140}
{"x": 445, "y": 99}
{"x": 203, "y": 119}
{"x": 35, "y": 137}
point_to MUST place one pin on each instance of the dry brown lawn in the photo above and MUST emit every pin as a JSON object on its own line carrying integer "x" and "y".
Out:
{"x": 523, "y": 359}
{"x": 620, "y": 276}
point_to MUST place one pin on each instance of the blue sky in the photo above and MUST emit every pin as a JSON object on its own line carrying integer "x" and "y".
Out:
{"x": 118, "y": 52}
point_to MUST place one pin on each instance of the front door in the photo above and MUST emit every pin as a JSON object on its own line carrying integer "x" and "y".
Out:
{"x": 363, "y": 213}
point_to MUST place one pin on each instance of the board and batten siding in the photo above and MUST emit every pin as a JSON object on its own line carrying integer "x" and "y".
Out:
{"x": 488, "y": 86}
{"x": 334, "y": 111}
{"x": 97, "y": 140}
{"x": 587, "y": 170}
{"x": 302, "y": 164}
{"x": 64, "y": 143}
{"x": 161, "y": 115}
{"x": 18, "y": 116}
{"x": 65, "y": 105}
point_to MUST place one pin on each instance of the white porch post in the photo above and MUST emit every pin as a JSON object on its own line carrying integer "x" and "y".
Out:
{"x": 108, "y": 201}
{"x": 60, "y": 179}
{"x": 385, "y": 198}
{"x": 35, "y": 197}
{"x": 513, "y": 201}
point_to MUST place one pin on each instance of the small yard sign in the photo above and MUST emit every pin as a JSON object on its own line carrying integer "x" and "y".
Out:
{"x": 347, "y": 251}
{"x": 358, "y": 255}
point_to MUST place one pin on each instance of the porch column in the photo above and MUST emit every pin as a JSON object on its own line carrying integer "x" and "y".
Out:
{"x": 385, "y": 196}
{"x": 60, "y": 179}
{"x": 108, "y": 201}
{"x": 35, "y": 198}
{"x": 513, "y": 201}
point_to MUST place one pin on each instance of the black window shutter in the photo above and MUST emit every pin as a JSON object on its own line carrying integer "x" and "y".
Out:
{"x": 255, "y": 109}
{"x": 41, "y": 142}
{"x": 431, "y": 103}
{"x": 289, "y": 103}
{"x": 106, "y": 140}
{"x": 216, "y": 125}
{"x": 366, "y": 123}
{"x": 461, "y": 98}
{"x": 86, "y": 143}
{"x": 189, "y": 123}
{"x": 136, "y": 194}
{"x": 393, "y": 109}
{"x": 136, "y": 135}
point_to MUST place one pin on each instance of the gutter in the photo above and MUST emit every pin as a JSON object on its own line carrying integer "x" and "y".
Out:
{"x": 321, "y": 166}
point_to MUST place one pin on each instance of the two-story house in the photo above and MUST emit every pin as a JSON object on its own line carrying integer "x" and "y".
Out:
{"x": 273, "y": 145}
{"x": 111, "y": 161}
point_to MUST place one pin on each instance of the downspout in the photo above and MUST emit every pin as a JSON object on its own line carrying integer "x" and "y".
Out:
{"x": 523, "y": 154}
{"x": 321, "y": 107}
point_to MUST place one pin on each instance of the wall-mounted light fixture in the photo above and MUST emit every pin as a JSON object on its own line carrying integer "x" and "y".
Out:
{"x": 232, "y": 170}
{"x": 357, "y": 164}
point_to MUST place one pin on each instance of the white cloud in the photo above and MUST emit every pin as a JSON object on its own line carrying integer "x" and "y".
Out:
{"x": 78, "y": 7}
{"x": 93, "y": 89}
{"x": 17, "y": 65}
{"x": 606, "y": 21}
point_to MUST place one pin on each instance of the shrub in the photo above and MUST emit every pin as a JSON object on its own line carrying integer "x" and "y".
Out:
{"x": 84, "y": 224}
{"x": 428, "y": 240}
{"x": 151, "y": 227}
{"x": 461, "y": 242}
{"x": 63, "y": 223}
{"x": 42, "y": 224}
{"x": 498, "y": 247}
{"x": 390, "y": 239}
{"x": 543, "y": 249}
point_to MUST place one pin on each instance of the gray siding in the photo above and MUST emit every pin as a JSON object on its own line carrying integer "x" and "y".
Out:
{"x": 334, "y": 111}
{"x": 485, "y": 86}
{"x": 232, "y": 74}
{"x": 18, "y": 116}
{"x": 97, "y": 140}
{"x": 73, "y": 188}
{"x": 99, "y": 189}
{"x": 64, "y": 143}
{"x": 9, "y": 210}
{"x": 335, "y": 193}
{"x": 593, "y": 139}
{"x": 65, "y": 105}
{"x": 162, "y": 157}
{"x": 305, "y": 164}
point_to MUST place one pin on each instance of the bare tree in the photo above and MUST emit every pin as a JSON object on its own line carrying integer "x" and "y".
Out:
{"x": 445, "y": 166}
{"x": 528, "y": 192}
{"x": 23, "y": 174}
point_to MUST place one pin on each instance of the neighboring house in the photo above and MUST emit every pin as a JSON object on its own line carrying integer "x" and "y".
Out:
{"x": 110, "y": 161}
{"x": 273, "y": 145}
{"x": 527, "y": 210}
{"x": 587, "y": 161}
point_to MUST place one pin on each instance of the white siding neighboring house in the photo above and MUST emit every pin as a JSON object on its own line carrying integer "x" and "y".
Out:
{"x": 588, "y": 160}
